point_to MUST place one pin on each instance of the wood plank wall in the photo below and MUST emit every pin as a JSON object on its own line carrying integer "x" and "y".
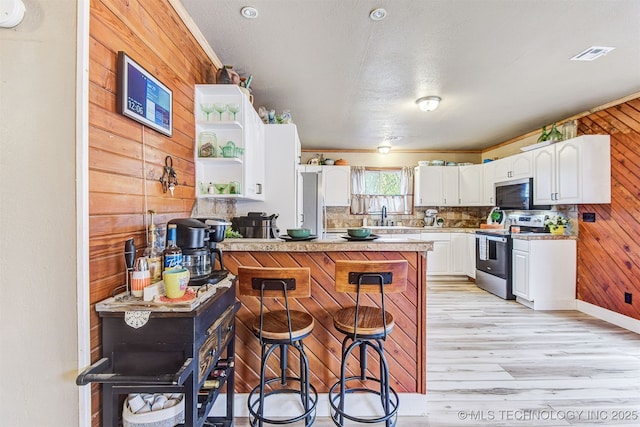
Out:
{"x": 125, "y": 158}
{"x": 609, "y": 249}
{"x": 404, "y": 347}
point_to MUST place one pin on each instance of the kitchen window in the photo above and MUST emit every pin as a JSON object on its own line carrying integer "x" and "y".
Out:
{"x": 373, "y": 188}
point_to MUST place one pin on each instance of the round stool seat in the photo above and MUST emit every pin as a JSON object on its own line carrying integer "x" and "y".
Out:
{"x": 275, "y": 325}
{"x": 369, "y": 321}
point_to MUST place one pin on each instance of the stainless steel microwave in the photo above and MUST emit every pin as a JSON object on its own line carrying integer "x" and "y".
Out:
{"x": 517, "y": 195}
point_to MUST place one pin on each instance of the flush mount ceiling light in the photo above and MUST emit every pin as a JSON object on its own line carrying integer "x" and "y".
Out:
{"x": 378, "y": 14}
{"x": 384, "y": 148}
{"x": 428, "y": 103}
{"x": 11, "y": 13}
{"x": 249, "y": 12}
{"x": 592, "y": 53}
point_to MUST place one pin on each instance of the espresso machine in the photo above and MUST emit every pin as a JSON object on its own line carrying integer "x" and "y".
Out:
{"x": 197, "y": 238}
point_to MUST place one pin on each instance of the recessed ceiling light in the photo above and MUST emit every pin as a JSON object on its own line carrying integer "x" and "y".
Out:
{"x": 592, "y": 53}
{"x": 378, "y": 14}
{"x": 249, "y": 12}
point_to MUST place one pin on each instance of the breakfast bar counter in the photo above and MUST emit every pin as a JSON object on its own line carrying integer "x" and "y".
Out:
{"x": 405, "y": 346}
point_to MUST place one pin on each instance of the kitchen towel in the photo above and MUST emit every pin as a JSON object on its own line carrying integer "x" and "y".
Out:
{"x": 483, "y": 248}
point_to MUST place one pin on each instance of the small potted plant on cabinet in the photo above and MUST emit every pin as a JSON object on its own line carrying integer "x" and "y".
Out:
{"x": 556, "y": 224}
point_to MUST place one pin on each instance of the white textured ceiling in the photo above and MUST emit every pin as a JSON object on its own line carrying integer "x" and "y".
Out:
{"x": 501, "y": 67}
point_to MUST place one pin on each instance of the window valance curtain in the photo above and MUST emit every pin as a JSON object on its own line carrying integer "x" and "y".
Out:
{"x": 362, "y": 203}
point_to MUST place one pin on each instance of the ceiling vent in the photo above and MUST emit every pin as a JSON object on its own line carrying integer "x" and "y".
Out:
{"x": 592, "y": 53}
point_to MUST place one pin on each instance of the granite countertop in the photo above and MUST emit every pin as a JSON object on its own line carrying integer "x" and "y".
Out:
{"x": 413, "y": 230}
{"x": 402, "y": 229}
{"x": 542, "y": 236}
{"x": 326, "y": 245}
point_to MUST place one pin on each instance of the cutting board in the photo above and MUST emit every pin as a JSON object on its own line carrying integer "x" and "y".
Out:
{"x": 493, "y": 226}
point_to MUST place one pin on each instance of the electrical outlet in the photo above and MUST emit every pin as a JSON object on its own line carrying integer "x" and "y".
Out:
{"x": 589, "y": 217}
{"x": 628, "y": 297}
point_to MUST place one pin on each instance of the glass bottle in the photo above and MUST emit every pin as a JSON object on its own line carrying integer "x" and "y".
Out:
{"x": 569, "y": 129}
{"x": 154, "y": 256}
{"x": 172, "y": 254}
{"x": 554, "y": 135}
{"x": 544, "y": 136}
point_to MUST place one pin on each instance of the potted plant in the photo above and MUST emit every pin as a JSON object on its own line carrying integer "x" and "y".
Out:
{"x": 556, "y": 224}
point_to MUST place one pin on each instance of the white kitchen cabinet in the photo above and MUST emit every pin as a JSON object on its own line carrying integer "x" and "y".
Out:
{"x": 470, "y": 264}
{"x": 427, "y": 186}
{"x": 449, "y": 254}
{"x": 488, "y": 184}
{"x": 337, "y": 185}
{"x": 255, "y": 160}
{"x": 436, "y": 186}
{"x": 573, "y": 171}
{"x": 520, "y": 271}
{"x": 544, "y": 273}
{"x": 438, "y": 259}
{"x": 450, "y": 186}
{"x": 282, "y": 189}
{"x": 472, "y": 185}
{"x": 513, "y": 167}
{"x": 244, "y": 173}
{"x": 459, "y": 253}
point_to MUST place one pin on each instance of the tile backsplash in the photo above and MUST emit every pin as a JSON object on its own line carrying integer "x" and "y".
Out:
{"x": 458, "y": 217}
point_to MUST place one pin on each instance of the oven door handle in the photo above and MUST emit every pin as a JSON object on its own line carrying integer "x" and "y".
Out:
{"x": 493, "y": 238}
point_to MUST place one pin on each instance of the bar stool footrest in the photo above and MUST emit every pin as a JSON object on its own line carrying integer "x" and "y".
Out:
{"x": 254, "y": 403}
{"x": 337, "y": 413}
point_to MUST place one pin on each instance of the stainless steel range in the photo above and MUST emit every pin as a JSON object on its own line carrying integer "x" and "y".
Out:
{"x": 493, "y": 253}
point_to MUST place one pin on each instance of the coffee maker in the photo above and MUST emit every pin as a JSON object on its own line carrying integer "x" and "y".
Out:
{"x": 197, "y": 238}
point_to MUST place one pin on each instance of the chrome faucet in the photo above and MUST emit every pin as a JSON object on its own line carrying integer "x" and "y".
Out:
{"x": 384, "y": 215}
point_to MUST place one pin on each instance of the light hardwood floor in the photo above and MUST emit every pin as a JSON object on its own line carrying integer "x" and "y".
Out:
{"x": 494, "y": 363}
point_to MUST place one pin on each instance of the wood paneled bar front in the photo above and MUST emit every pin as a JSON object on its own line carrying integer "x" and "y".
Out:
{"x": 405, "y": 346}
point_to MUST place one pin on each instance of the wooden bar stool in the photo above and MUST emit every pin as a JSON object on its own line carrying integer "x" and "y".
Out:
{"x": 365, "y": 326}
{"x": 280, "y": 329}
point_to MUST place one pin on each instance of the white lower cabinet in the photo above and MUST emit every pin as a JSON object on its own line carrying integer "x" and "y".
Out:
{"x": 458, "y": 254}
{"x": 449, "y": 254}
{"x": 520, "y": 271}
{"x": 470, "y": 264}
{"x": 544, "y": 273}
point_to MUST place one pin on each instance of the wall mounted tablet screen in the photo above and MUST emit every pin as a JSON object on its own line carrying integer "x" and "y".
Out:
{"x": 142, "y": 97}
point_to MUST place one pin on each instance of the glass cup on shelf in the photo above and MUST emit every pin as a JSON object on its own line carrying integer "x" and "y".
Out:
{"x": 207, "y": 108}
{"x": 234, "y": 187}
{"x": 233, "y": 108}
{"x": 208, "y": 146}
{"x": 220, "y": 108}
{"x": 220, "y": 188}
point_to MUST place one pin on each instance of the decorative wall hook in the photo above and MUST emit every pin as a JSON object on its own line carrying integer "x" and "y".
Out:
{"x": 169, "y": 179}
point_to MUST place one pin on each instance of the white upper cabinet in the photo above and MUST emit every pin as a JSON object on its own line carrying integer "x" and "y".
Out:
{"x": 428, "y": 186}
{"x": 513, "y": 167}
{"x": 282, "y": 188}
{"x": 573, "y": 171}
{"x": 337, "y": 185}
{"x": 488, "y": 184}
{"x": 472, "y": 185}
{"x": 436, "y": 186}
{"x": 229, "y": 146}
{"x": 450, "y": 186}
